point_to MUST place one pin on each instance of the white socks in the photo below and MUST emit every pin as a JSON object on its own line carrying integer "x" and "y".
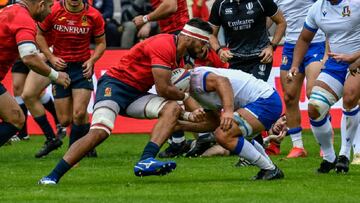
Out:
{"x": 349, "y": 124}
{"x": 296, "y": 137}
{"x": 246, "y": 150}
{"x": 322, "y": 132}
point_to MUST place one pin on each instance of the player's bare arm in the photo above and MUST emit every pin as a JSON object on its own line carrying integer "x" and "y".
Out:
{"x": 164, "y": 10}
{"x": 100, "y": 46}
{"x": 267, "y": 53}
{"x": 57, "y": 62}
{"x": 164, "y": 88}
{"x": 223, "y": 87}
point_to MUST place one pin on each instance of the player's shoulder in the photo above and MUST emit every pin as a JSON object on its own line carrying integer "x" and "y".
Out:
{"x": 162, "y": 40}
{"x": 93, "y": 11}
{"x": 20, "y": 16}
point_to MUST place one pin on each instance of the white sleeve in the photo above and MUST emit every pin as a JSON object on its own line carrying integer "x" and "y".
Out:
{"x": 198, "y": 80}
{"x": 310, "y": 22}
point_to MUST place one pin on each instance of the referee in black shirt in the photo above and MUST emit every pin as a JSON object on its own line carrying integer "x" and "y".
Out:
{"x": 248, "y": 47}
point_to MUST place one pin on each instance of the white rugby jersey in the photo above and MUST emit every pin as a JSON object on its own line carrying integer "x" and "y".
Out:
{"x": 246, "y": 87}
{"x": 295, "y": 12}
{"x": 340, "y": 23}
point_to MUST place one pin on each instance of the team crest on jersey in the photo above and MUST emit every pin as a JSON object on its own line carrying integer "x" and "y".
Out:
{"x": 346, "y": 11}
{"x": 228, "y": 11}
{"x": 62, "y": 18}
{"x": 284, "y": 60}
{"x": 249, "y": 7}
{"x": 107, "y": 92}
{"x": 84, "y": 21}
{"x": 324, "y": 13}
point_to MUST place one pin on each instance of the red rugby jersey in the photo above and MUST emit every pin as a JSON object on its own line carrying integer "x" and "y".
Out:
{"x": 212, "y": 59}
{"x": 16, "y": 27}
{"x": 135, "y": 68}
{"x": 176, "y": 21}
{"x": 72, "y": 32}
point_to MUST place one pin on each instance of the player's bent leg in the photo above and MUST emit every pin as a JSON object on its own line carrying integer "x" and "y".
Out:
{"x": 292, "y": 91}
{"x": 321, "y": 99}
{"x": 246, "y": 125}
{"x": 104, "y": 116}
{"x": 12, "y": 117}
{"x": 350, "y": 120}
{"x": 18, "y": 82}
{"x": 162, "y": 130}
{"x": 80, "y": 119}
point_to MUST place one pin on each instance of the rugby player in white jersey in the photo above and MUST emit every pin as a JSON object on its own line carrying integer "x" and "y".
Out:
{"x": 237, "y": 106}
{"x": 295, "y": 13}
{"x": 340, "y": 21}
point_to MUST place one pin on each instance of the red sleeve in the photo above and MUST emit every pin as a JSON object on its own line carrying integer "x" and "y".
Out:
{"x": 99, "y": 25}
{"x": 162, "y": 54}
{"x": 24, "y": 29}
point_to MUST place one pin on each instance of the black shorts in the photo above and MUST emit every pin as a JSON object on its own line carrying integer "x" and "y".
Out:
{"x": 78, "y": 81}
{"x": 20, "y": 67}
{"x": 252, "y": 66}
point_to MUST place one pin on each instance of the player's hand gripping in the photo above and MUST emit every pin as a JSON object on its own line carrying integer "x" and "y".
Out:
{"x": 58, "y": 63}
{"x": 63, "y": 79}
{"x": 226, "y": 120}
{"x": 198, "y": 115}
{"x": 354, "y": 68}
{"x": 225, "y": 55}
{"x": 292, "y": 73}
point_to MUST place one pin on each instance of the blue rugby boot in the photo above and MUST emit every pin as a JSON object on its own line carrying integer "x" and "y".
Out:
{"x": 151, "y": 166}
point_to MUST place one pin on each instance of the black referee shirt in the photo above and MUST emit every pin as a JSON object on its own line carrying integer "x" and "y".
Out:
{"x": 244, "y": 23}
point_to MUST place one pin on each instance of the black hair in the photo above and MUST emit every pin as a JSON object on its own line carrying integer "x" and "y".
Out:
{"x": 203, "y": 25}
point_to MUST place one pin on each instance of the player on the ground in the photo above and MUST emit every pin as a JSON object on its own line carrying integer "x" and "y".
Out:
{"x": 237, "y": 107}
{"x": 147, "y": 63}
{"x": 73, "y": 24}
{"x": 17, "y": 34}
{"x": 340, "y": 21}
{"x": 295, "y": 13}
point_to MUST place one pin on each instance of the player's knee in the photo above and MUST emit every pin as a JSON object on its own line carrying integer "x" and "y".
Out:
{"x": 290, "y": 98}
{"x": 28, "y": 98}
{"x": 350, "y": 99}
{"x": 64, "y": 120}
{"x": 79, "y": 116}
{"x": 98, "y": 134}
{"x": 103, "y": 120}
{"x": 17, "y": 118}
{"x": 313, "y": 112}
{"x": 319, "y": 103}
{"x": 171, "y": 109}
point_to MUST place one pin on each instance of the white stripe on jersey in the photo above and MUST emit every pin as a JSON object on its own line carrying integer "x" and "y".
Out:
{"x": 340, "y": 23}
{"x": 246, "y": 87}
{"x": 295, "y": 12}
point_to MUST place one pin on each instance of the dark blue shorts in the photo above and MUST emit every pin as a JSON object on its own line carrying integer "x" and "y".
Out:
{"x": 20, "y": 67}
{"x": 315, "y": 53}
{"x": 267, "y": 110}
{"x": 78, "y": 81}
{"x": 110, "y": 88}
{"x": 337, "y": 70}
{"x": 2, "y": 89}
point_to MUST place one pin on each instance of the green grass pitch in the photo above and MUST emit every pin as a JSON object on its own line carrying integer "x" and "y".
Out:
{"x": 110, "y": 178}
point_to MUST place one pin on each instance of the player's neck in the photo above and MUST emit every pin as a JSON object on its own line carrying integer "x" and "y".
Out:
{"x": 334, "y": 2}
{"x": 74, "y": 9}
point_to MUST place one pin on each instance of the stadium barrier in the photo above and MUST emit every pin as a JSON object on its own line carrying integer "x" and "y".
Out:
{"x": 128, "y": 125}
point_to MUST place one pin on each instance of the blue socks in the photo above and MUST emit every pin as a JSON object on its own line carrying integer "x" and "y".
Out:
{"x": 45, "y": 126}
{"x": 150, "y": 151}
{"x": 61, "y": 168}
{"x": 78, "y": 131}
{"x": 7, "y": 130}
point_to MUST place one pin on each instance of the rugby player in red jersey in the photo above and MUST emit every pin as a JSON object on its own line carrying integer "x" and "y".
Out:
{"x": 171, "y": 15}
{"x": 147, "y": 63}
{"x": 17, "y": 34}
{"x": 73, "y": 23}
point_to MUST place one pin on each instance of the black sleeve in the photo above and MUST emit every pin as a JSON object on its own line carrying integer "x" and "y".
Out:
{"x": 269, "y": 6}
{"x": 214, "y": 18}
